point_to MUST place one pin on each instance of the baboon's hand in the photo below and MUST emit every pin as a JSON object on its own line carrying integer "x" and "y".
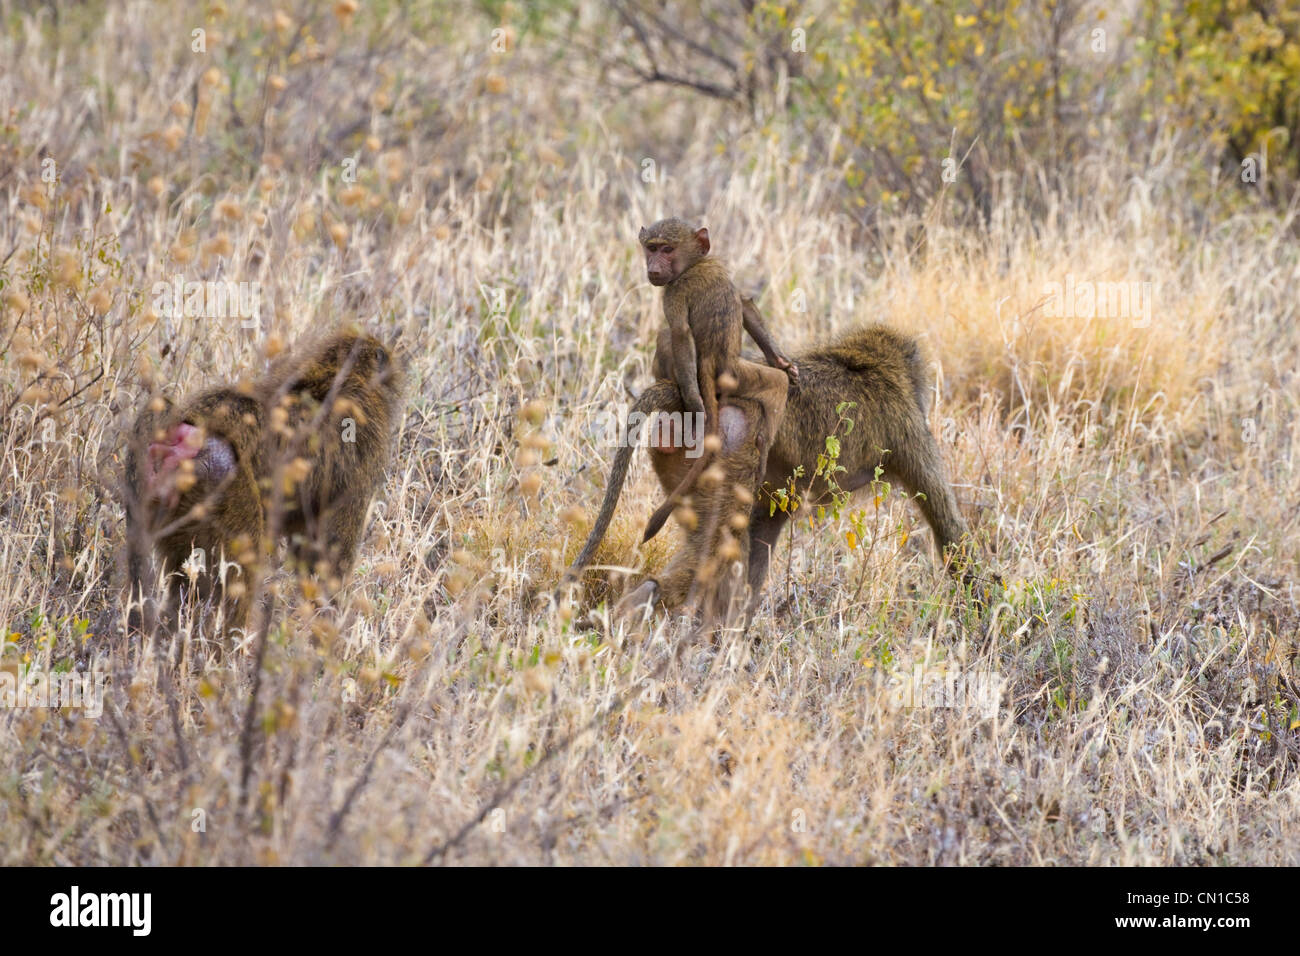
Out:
{"x": 791, "y": 370}
{"x": 777, "y": 360}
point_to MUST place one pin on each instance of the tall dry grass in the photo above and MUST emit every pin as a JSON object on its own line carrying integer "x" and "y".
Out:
{"x": 1133, "y": 483}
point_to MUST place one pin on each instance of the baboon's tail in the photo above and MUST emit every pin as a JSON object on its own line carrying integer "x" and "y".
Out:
{"x": 617, "y": 475}
{"x": 661, "y": 514}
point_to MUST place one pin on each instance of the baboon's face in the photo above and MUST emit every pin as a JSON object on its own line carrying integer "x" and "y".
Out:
{"x": 662, "y": 264}
{"x": 671, "y": 248}
{"x": 184, "y": 457}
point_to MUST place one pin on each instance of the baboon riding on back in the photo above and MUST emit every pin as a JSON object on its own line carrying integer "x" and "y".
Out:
{"x": 875, "y": 372}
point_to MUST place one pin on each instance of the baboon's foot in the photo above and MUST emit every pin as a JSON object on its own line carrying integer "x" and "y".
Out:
{"x": 639, "y": 603}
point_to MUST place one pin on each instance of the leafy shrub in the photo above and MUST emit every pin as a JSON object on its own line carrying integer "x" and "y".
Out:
{"x": 1235, "y": 79}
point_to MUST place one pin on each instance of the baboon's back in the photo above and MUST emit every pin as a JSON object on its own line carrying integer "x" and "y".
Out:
{"x": 877, "y": 368}
{"x": 881, "y": 372}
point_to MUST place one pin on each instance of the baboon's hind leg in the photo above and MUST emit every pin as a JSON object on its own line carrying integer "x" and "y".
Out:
{"x": 917, "y": 465}
{"x": 764, "y": 531}
{"x": 327, "y": 545}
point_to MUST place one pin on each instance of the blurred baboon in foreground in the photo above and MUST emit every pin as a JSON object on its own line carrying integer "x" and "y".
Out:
{"x": 876, "y": 369}
{"x": 298, "y": 454}
{"x": 710, "y": 565}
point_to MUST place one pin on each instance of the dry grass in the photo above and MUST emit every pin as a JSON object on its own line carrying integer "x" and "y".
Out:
{"x": 1145, "y": 647}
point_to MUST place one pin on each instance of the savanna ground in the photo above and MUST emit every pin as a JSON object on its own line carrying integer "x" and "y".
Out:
{"x": 1130, "y": 473}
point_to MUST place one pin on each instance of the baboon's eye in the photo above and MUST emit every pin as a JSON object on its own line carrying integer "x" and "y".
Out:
{"x": 666, "y": 250}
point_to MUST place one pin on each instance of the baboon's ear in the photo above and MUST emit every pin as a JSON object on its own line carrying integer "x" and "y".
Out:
{"x": 641, "y": 236}
{"x": 702, "y": 237}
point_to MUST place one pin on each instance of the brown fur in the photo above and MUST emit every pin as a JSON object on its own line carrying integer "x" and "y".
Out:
{"x": 273, "y": 463}
{"x": 881, "y": 371}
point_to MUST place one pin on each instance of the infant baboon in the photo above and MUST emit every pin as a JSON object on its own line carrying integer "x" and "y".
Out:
{"x": 699, "y": 347}
{"x": 298, "y": 454}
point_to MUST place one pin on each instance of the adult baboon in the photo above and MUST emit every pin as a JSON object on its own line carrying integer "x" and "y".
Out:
{"x": 299, "y": 453}
{"x": 879, "y": 371}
